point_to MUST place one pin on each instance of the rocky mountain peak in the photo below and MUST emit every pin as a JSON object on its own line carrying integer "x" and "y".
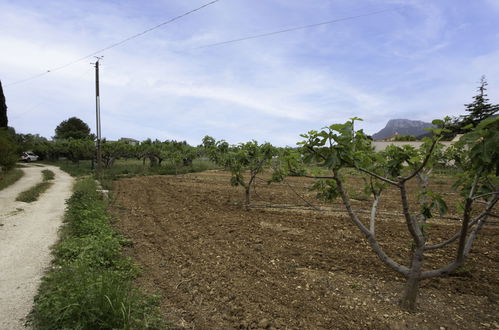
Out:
{"x": 402, "y": 127}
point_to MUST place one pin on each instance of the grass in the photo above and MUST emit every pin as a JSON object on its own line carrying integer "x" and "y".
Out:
{"x": 48, "y": 175}
{"x": 9, "y": 177}
{"x": 34, "y": 192}
{"x": 90, "y": 283}
{"x": 129, "y": 168}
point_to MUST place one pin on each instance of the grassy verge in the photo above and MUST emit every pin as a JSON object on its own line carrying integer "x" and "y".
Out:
{"x": 90, "y": 284}
{"x": 34, "y": 192}
{"x": 9, "y": 177}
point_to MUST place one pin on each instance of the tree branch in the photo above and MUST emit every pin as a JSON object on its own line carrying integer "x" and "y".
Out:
{"x": 374, "y": 209}
{"x": 315, "y": 152}
{"x": 467, "y": 247}
{"x": 377, "y": 176}
{"x": 318, "y": 177}
{"x": 484, "y": 213}
{"x": 372, "y": 241}
{"x": 427, "y": 158}
{"x": 466, "y": 219}
{"x": 450, "y": 240}
{"x": 412, "y": 226}
{"x": 487, "y": 194}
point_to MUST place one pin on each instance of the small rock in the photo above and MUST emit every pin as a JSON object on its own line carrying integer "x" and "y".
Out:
{"x": 264, "y": 323}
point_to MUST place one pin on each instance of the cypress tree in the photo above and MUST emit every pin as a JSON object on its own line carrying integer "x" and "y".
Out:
{"x": 3, "y": 109}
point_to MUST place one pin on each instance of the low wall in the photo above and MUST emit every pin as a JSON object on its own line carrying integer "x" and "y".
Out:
{"x": 381, "y": 145}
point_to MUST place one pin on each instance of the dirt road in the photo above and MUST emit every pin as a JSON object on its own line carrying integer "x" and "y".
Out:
{"x": 27, "y": 230}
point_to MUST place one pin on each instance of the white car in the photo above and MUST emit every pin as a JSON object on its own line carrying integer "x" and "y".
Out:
{"x": 29, "y": 156}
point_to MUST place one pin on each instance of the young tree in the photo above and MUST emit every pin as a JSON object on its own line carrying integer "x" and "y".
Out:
{"x": 74, "y": 128}
{"x": 238, "y": 159}
{"x": 3, "y": 109}
{"x": 74, "y": 149}
{"x": 151, "y": 150}
{"x": 178, "y": 153}
{"x": 340, "y": 146}
{"x": 114, "y": 150}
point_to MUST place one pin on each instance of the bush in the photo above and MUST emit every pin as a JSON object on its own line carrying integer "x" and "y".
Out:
{"x": 8, "y": 151}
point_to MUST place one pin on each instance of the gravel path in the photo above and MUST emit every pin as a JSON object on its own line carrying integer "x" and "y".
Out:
{"x": 27, "y": 231}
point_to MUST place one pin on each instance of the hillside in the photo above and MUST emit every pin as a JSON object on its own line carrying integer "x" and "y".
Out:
{"x": 402, "y": 127}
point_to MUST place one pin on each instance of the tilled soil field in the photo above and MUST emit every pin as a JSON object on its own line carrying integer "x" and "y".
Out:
{"x": 286, "y": 265}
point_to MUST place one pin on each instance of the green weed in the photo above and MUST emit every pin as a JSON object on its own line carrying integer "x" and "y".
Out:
{"x": 90, "y": 284}
{"x": 131, "y": 167}
{"x": 9, "y": 177}
{"x": 48, "y": 175}
{"x": 34, "y": 192}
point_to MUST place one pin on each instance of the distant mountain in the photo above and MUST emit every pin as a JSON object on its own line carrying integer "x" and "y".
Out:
{"x": 402, "y": 127}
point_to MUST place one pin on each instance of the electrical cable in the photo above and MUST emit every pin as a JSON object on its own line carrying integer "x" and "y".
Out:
{"x": 302, "y": 27}
{"x": 35, "y": 105}
{"x": 112, "y": 45}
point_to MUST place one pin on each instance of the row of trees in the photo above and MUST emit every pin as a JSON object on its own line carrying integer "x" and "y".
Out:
{"x": 73, "y": 141}
{"x": 333, "y": 149}
{"x": 155, "y": 152}
{"x": 339, "y": 147}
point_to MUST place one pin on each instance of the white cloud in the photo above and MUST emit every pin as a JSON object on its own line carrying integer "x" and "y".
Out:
{"x": 402, "y": 63}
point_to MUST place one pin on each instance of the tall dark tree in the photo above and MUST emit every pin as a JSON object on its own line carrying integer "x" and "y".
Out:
{"x": 3, "y": 109}
{"x": 480, "y": 108}
{"x": 72, "y": 128}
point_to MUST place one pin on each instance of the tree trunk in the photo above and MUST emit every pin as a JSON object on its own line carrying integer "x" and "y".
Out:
{"x": 247, "y": 197}
{"x": 411, "y": 290}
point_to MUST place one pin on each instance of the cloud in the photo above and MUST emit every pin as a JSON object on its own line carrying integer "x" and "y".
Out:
{"x": 411, "y": 63}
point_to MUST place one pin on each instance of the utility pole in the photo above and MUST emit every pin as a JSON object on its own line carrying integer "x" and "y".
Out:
{"x": 97, "y": 117}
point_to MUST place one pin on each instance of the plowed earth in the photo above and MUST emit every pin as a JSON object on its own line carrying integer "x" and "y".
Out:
{"x": 285, "y": 265}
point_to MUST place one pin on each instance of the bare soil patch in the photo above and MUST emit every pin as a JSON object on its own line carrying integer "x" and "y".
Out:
{"x": 289, "y": 266}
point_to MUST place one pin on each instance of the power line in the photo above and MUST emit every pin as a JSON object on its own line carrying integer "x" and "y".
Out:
{"x": 112, "y": 45}
{"x": 35, "y": 105}
{"x": 302, "y": 27}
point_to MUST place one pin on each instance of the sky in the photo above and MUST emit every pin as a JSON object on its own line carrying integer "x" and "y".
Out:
{"x": 411, "y": 59}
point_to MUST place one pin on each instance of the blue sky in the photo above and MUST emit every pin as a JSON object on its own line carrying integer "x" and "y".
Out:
{"x": 420, "y": 60}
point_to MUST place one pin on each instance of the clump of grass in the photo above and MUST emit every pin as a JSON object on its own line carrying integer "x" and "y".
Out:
{"x": 90, "y": 284}
{"x": 9, "y": 177}
{"x": 48, "y": 175}
{"x": 34, "y": 192}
